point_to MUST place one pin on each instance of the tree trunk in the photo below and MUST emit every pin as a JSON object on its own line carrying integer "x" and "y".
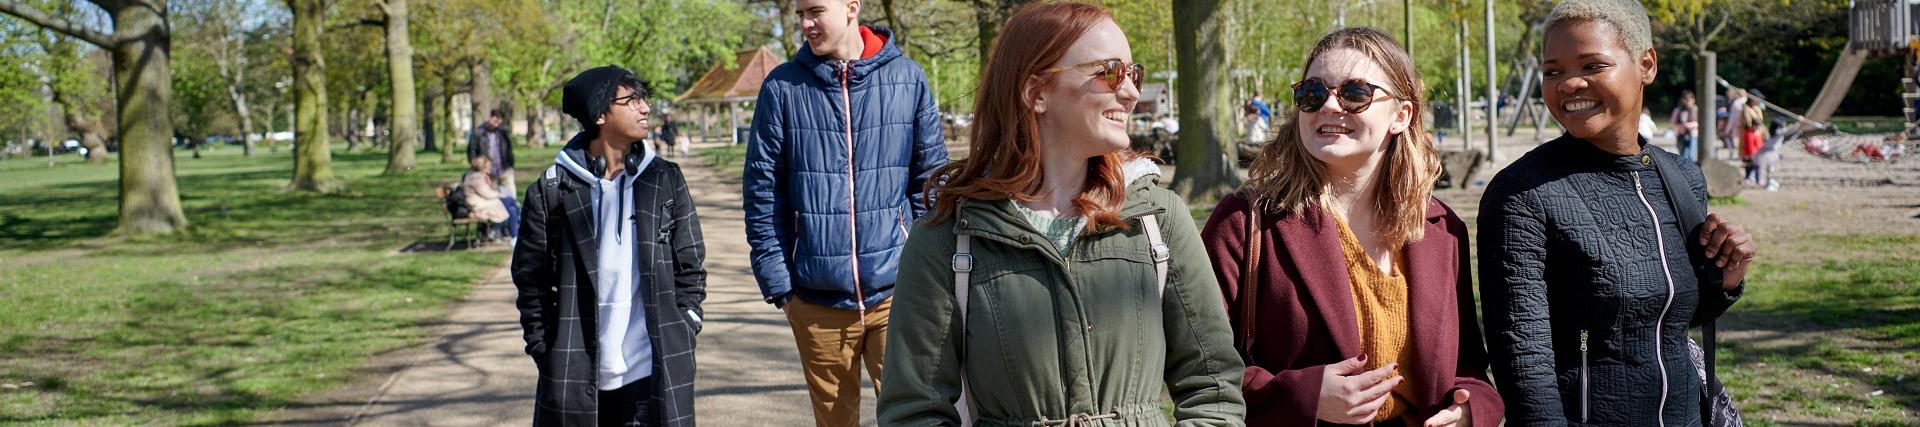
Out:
{"x": 350, "y": 124}
{"x": 446, "y": 147}
{"x": 536, "y": 125}
{"x": 427, "y": 113}
{"x": 789, "y": 39}
{"x": 1204, "y": 169}
{"x": 365, "y": 125}
{"x": 989, "y": 15}
{"x": 1704, "y": 77}
{"x": 400, "y": 76}
{"x": 78, "y": 121}
{"x": 900, "y": 33}
{"x": 233, "y": 70}
{"x": 149, "y": 198}
{"x": 312, "y": 161}
{"x": 246, "y": 120}
{"x": 483, "y": 103}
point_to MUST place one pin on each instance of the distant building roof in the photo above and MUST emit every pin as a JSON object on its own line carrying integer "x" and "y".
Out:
{"x": 742, "y": 82}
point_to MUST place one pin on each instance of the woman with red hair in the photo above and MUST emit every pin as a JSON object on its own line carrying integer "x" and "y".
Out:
{"x": 1055, "y": 283}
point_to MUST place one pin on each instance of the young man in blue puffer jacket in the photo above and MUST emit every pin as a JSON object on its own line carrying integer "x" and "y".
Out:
{"x": 845, "y": 137}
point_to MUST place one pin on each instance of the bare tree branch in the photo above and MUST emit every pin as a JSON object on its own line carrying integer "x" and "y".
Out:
{"x": 1724, "y": 18}
{"x": 63, "y": 25}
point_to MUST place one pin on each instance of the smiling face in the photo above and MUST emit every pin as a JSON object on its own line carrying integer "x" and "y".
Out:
{"x": 1077, "y": 106}
{"x": 1336, "y": 136}
{"x": 1592, "y": 85}
{"x": 825, "y": 24}
{"x": 626, "y": 120}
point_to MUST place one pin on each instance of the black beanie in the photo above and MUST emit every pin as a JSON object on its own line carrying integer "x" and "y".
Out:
{"x": 587, "y": 96}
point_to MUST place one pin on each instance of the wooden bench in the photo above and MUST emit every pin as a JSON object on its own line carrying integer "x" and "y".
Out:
{"x": 456, "y": 225}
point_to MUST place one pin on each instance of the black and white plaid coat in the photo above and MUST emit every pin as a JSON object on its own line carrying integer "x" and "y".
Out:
{"x": 554, "y": 265}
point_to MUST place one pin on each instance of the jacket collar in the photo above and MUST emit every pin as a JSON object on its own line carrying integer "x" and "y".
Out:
{"x": 1585, "y": 155}
{"x": 827, "y": 70}
{"x": 998, "y": 219}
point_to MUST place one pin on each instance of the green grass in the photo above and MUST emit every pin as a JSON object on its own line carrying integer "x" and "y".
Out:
{"x": 1833, "y": 328}
{"x": 1734, "y": 200}
{"x": 728, "y": 160}
{"x": 267, "y": 296}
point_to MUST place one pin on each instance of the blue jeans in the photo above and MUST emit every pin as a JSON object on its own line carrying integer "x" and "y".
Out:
{"x": 1683, "y": 140}
{"x": 513, "y": 215}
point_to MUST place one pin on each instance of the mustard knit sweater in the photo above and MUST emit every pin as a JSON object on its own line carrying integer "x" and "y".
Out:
{"x": 1380, "y": 300}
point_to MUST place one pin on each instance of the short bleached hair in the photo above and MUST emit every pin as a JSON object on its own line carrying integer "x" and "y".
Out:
{"x": 1627, "y": 17}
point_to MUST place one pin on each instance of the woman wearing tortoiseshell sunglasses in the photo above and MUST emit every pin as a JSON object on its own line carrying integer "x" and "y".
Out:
{"x": 1346, "y": 281}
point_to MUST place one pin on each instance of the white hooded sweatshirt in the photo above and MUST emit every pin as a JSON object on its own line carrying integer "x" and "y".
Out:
{"x": 626, "y": 351}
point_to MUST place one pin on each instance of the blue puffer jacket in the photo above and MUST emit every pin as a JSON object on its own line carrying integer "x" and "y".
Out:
{"x": 834, "y": 171}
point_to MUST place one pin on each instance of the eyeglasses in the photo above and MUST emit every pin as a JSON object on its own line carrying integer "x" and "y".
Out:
{"x": 626, "y": 100}
{"x": 1354, "y": 95}
{"x": 1113, "y": 70}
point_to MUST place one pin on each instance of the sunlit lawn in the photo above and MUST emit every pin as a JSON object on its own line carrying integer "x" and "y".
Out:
{"x": 269, "y": 294}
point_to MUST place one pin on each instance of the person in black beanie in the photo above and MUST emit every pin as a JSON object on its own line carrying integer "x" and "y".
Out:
{"x": 609, "y": 268}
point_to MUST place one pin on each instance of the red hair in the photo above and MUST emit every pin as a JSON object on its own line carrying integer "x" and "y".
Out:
{"x": 1003, "y": 161}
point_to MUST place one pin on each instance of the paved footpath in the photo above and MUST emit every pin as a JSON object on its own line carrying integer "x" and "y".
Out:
{"x": 474, "y": 373}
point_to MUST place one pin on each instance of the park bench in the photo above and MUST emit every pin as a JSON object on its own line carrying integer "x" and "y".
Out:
{"x": 458, "y": 219}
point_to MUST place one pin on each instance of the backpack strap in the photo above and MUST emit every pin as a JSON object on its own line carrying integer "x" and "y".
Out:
{"x": 1161, "y": 253}
{"x": 962, "y": 285}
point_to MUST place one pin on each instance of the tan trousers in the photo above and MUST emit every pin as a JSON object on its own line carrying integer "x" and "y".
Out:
{"x": 833, "y": 344}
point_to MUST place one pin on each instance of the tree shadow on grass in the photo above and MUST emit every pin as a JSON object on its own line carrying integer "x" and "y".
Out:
{"x": 229, "y": 206}
{"x": 1852, "y": 321}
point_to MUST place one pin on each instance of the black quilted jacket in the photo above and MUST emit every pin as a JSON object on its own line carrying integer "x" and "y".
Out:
{"x": 1588, "y": 289}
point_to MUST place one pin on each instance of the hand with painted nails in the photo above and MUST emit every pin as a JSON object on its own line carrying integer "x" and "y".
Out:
{"x": 1454, "y": 416}
{"x": 1350, "y": 394}
{"x": 1730, "y": 247}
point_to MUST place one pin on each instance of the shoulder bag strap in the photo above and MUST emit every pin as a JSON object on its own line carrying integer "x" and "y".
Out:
{"x": 1250, "y": 282}
{"x": 1689, "y": 216}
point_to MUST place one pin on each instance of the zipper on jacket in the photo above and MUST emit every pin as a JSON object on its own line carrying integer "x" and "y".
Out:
{"x": 901, "y": 221}
{"x": 1661, "y": 242}
{"x": 1585, "y": 397}
{"x": 853, "y": 209}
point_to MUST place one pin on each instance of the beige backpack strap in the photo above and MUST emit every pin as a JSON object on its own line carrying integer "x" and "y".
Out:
{"x": 962, "y": 284}
{"x": 1161, "y": 253}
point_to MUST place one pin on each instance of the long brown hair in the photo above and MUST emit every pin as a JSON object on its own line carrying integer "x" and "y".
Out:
{"x": 1287, "y": 179}
{"x": 1004, "y": 159}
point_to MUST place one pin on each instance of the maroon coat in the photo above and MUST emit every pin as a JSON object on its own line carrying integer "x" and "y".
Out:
{"x": 1307, "y": 320}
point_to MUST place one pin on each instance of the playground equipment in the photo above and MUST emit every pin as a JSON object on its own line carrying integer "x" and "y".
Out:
{"x": 1875, "y": 28}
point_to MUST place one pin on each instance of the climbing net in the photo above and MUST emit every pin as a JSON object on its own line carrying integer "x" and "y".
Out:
{"x": 1832, "y": 144}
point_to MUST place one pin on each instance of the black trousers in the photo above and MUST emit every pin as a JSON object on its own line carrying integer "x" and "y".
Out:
{"x": 628, "y": 406}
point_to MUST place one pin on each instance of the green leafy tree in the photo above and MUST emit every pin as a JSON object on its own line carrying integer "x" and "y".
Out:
{"x": 23, "y": 103}
{"x": 221, "y": 37}
{"x": 199, "y": 100}
{"x": 941, "y": 36}
{"x": 73, "y": 81}
{"x": 149, "y": 197}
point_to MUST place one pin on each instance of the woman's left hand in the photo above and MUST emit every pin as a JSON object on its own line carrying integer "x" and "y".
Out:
{"x": 1730, "y": 247}
{"x": 1457, "y": 415}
